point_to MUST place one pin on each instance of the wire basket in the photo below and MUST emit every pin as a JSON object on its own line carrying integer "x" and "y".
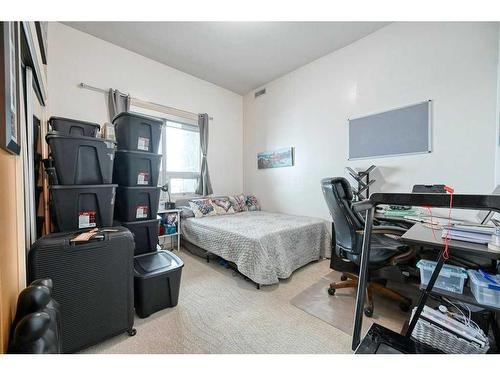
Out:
{"x": 444, "y": 340}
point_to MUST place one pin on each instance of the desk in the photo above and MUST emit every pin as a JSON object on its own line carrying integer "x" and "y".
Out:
{"x": 421, "y": 235}
{"x": 417, "y": 235}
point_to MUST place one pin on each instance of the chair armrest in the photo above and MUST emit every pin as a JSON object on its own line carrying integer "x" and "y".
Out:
{"x": 403, "y": 257}
{"x": 362, "y": 205}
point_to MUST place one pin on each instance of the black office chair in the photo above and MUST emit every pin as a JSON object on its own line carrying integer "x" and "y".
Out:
{"x": 386, "y": 251}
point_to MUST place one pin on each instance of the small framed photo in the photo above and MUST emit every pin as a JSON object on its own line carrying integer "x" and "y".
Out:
{"x": 9, "y": 122}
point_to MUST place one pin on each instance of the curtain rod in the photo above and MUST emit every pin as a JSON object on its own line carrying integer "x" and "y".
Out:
{"x": 148, "y": 104}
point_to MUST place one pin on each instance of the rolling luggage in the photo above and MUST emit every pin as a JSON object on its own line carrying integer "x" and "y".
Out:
{"x": 93, "y": 283}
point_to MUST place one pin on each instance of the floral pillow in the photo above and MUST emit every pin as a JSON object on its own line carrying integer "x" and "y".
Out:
{"x": 222, "y": 206}
{"x": 202, "y": 207}
{"x": 252, "y": 203}
{"x": 239, "y": 203}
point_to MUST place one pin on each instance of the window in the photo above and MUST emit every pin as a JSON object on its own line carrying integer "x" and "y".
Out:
{"x": 181, "y": 157}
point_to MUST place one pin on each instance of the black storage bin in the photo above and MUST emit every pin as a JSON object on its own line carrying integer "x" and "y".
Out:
{"x": 134, "y": 168}
{"x": 145, "y": 235}
{"x": 74, "y": 127}
{"x": 136, "y": 203}
{"x": 157, "y": 280}
{"x": 137, "y": 132}
{"x": 81, "y": 160}
{"x": 93, "y": 283}
{"x": 85, "y": 206}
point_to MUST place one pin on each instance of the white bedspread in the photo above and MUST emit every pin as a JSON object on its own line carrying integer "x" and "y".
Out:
{"x": 264, "y": 246}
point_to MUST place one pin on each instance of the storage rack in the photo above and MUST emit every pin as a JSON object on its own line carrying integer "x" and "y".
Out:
{"x": 177, "y": 235}
{"x": 363, "y": 180}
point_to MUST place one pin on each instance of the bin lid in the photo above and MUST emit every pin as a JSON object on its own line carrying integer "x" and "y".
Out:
{"x": 477, "y": 279}
{"x": 447, "y": 270}
{"x": 56, "y": 134}
{"x": 136, "y": 115}
{"x": 139, "y": 153}
{"x": 156, "y": 263}
{"x": 57, "y": 118}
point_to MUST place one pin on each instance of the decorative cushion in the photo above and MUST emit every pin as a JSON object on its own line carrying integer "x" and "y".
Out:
{"x": 186, "y": 212}
{"x": 252, "y": 203}
{"x": 202, "y": 207}
{"x": 223, "y": 206}
{"x": 239, "y": 203}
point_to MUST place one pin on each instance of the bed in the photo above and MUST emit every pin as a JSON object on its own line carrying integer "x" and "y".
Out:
{"x": 264, "y": 246}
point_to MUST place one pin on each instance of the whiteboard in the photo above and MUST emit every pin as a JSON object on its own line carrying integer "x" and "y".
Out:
{"x": 400, "y": 131}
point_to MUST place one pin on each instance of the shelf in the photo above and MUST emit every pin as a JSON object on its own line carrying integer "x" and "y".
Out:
{"x": 169, "y": 235}
{"x": 466, "y": 297}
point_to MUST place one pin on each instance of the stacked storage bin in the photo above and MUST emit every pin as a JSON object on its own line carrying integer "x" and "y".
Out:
{"x": 157, "y": 273}
{"x": 136, "y": 172}
{"x": 80, "y": 174}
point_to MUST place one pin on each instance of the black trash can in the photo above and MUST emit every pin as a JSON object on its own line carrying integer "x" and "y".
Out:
{"x": 157, "y": 280}
{"x": 134, "y": 168}
{"x": 81, "y": 160}
{"x": 145, "y": 235}
{"x": 136, "y": 203}
{"x": 136, "y": 132}
{"x": 82, "y": 206}
{"x": 74, "y": 127}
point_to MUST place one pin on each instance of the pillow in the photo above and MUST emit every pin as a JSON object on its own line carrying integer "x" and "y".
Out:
{"x": 239, "y": 203}
{"x": 252, "y": 203}
{"x": 202, "y": 207}
{"x": 186, "y": 212}
{"x": 223, "y": 206}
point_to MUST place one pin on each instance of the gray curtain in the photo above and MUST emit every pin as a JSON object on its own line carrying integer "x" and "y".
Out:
{"x": 118, "y": 103}
{"x": 204, "y": 184}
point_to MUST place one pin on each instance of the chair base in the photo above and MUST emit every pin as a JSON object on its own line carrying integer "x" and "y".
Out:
{"x": 350, "y": 280}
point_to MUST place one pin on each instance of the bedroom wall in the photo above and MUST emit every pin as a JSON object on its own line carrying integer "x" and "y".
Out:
{"x": 454, "y": 64}
{"x": 76, "y": 57}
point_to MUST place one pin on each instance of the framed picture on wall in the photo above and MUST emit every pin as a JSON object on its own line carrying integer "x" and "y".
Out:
{"x": 9, "y": 123}
{"x": 282, "y": 157}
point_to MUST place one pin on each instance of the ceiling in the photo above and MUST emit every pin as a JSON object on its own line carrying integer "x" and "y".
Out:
{"x": 239, "y": 56}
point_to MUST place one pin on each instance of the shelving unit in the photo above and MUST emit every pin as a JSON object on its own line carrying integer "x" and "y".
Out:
{"x": 362, "y": 178}
{"x": 162, "y": 239}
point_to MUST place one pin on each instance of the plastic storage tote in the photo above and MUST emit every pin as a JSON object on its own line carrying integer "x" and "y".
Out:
{"x": 136, "y": 203}
{"x": 136, "y": 132}
{"x": 451, "y": 278}
{"x": 485, "y": 291}
{"x": 157, "y": 280}
{"x": 145, "y": 235}
{"x": 81, "y": 160}
{"x": 78, "y": 207}
{"x": 134, "y": 168}
{"x": 74, "y": 127}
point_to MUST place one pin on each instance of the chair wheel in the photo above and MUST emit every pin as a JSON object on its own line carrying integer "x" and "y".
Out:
{"x": 368, "y": 312}
{"x": 331, "y": 291}
{"x": 404, "y": 306}
{"x": 132, "y": 332}
{"x": 343, "y": 278}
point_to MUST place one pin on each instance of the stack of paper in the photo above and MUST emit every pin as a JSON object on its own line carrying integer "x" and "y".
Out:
{"x": 470, "y": 233}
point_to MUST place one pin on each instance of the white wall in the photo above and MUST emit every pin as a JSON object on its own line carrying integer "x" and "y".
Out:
{"x": 454, "y": 64}
{"x": 76, "y": 57}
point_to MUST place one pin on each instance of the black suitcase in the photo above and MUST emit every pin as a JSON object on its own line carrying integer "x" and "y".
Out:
{"x": 93, "y": 283}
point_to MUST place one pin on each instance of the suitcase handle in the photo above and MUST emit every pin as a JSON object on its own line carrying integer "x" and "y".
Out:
{"x": 91, "y": 243}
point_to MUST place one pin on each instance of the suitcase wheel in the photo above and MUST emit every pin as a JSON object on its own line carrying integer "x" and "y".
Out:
{"x": 132, "y": 332}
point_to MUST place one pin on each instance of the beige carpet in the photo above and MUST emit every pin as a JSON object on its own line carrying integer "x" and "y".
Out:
{"x": 222, "y": 313}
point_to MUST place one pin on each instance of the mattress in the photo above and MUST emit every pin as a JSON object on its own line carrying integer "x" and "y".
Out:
{"x": 264, "y": 246}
